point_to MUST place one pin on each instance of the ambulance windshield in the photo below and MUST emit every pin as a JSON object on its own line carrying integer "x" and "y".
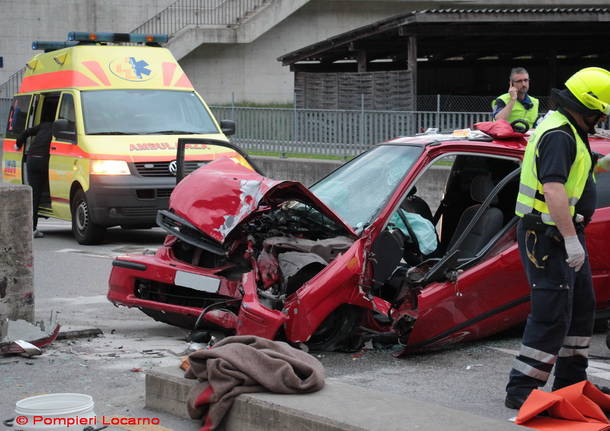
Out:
{"x": 145, "y": 112}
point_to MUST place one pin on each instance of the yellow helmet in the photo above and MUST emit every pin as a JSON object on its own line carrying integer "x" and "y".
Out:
{"x": 591, "y": 86}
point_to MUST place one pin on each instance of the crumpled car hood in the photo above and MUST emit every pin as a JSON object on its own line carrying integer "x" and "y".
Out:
{"x": 219, "y": 196}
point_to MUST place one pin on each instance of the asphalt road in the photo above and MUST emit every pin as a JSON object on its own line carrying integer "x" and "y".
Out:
{"x": 72, "y": 280}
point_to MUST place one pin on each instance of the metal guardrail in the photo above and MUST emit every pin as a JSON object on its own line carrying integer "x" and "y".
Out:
{"x": 183, "y": 13}
{"x": 332, "y": 132}
{"x": 5, "y": 105}
{"x": 11, "y": 85}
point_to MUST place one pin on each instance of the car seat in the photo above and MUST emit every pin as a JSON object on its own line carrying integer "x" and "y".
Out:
{"x": 417, "y": 205}
{"x": 486, "y": 227}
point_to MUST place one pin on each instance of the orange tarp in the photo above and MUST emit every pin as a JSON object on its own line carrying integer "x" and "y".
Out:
{"x": 579, "y": 407}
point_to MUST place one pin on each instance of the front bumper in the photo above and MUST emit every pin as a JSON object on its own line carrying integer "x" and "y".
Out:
{"x": 128, "y": 200}
{"x": 147, "y": 282}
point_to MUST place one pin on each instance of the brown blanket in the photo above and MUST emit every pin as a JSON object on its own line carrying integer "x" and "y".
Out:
{"x": 244, "y": 364}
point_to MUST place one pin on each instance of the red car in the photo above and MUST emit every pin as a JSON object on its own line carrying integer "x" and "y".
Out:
{"x": 346, "y": 259}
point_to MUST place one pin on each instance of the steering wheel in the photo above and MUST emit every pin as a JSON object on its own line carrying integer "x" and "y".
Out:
{"x": 520, "y": 126}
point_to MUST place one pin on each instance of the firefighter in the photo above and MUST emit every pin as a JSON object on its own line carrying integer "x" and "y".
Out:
{"x": 516, "y": 104}
{"x": 555, "y": 202}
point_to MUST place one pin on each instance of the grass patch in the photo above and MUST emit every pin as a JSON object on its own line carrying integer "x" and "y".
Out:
{"x": 296, "y": 155}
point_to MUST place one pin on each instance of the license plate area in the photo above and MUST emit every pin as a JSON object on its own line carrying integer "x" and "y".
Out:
{"x": 198, "y": 282}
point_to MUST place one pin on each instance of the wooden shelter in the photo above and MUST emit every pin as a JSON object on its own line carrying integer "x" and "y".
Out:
{"x": 385, "y": 65}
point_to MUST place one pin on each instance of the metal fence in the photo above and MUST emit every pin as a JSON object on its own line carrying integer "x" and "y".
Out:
{"x": 453, "y": 103}
{"x": 183, "y": 13}
{"x": 332, "y": 132}
{"x": 11, "y": 86}
{"x": 5, "y": 105}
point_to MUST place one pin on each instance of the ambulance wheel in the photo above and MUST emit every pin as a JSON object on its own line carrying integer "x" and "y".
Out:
{"x": 84, "y": 230}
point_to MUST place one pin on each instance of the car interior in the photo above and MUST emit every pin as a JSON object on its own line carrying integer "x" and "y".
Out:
{"x": 470, "y": 201}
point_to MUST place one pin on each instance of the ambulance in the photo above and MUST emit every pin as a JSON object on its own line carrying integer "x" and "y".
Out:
{"x": 119, "y": 103}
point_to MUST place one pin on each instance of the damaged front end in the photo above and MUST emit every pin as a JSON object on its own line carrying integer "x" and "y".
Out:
{"x": 244, "y": 253}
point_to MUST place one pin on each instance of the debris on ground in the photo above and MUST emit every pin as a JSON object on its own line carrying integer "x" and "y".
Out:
{"x": 27, "y": 338}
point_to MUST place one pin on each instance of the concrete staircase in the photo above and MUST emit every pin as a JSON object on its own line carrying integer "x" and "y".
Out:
{"x": 246, "y": 29}
{"x": 191, "y": 23}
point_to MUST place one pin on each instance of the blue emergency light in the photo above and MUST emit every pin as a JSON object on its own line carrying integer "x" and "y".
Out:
{"x": 83, "y": 36}
{"x": 47, "y": 46}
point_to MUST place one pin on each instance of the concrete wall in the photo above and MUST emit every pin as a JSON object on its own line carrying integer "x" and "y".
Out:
{"x": 16, "y": 278}
{"x": 23, "y": 21}
{"x": 251, "y": 72}
{"x": 305, "y": 171}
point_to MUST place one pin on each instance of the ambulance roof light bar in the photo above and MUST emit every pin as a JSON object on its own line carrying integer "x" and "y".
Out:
{"x": 83, "y": 36}
{"x": 47, "y": 46}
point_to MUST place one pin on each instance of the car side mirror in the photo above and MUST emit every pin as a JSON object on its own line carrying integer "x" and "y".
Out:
{"x": 64, "y": 130}
{"x": 227, "y": 127}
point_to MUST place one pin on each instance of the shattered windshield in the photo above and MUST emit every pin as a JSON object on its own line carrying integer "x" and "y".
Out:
{"x": 145, "y": 112}
{"x": 357, "y": 191}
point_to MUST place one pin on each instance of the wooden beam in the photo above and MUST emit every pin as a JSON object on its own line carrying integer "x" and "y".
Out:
{"x": 362, "y": 61}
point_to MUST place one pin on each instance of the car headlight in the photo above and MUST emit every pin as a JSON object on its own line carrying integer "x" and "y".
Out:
{"x": 109, "y": 167}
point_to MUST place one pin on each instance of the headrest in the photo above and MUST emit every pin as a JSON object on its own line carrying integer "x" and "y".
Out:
{"x": 480, "y": 187}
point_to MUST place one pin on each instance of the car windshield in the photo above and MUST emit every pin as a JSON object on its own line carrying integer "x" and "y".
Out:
{"x": 357, "y": 191}
{"x": 145, "y": 112}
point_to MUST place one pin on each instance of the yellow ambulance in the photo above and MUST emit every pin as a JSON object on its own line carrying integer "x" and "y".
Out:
{"x": 118, "y": 111}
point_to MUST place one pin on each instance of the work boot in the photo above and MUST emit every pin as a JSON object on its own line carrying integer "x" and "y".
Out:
{"x": 514, "y": 401}
{"x": 38, "y": 234}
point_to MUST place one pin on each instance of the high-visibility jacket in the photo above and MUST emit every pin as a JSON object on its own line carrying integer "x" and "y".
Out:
{"x": 519, "y": 111}
{"x": 531, "y": 198}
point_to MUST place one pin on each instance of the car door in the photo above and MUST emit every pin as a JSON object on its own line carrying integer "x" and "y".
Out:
{"x": 64, "y": 155}
{"x": 469, "y": 296}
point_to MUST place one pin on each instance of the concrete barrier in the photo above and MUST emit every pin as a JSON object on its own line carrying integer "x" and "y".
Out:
{"x": 16, "y": 279}
{"x": 337, "y": 407}
{"x": 305, "y": 171}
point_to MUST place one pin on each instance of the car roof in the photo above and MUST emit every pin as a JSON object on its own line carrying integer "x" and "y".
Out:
{"x": 599, "y": 142}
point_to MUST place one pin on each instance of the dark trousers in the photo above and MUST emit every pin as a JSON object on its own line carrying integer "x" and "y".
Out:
{"x": 38, "y": 175}
{"x": 560, "y": 324}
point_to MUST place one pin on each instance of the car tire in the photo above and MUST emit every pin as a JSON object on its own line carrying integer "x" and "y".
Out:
{"x": 84, "y": 230}
{"x": 339, "y": 331}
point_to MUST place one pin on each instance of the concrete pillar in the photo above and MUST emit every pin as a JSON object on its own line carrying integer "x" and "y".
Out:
{"x": 16, "y": 275}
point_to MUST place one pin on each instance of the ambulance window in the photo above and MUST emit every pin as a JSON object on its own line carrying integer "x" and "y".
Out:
{"x": 49, "y": 107}
{"x": 17, "y": 115}
{"x": 66, "y": 110}
{"x": 141, "y": 112}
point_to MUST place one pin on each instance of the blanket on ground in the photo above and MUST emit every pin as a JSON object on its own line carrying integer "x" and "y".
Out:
{"x": 245, "y": 364}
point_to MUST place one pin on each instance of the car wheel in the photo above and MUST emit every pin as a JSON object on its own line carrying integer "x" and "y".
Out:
{"x": 84, "y": 230}
{"x": 338, "y": 331}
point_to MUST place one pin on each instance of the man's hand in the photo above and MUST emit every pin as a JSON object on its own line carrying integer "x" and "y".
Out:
{"x": 603, "y": 164}
{"x": 513, "y": 92}
{"x": 575, "y": 252}
{"x": 16, "y": 147}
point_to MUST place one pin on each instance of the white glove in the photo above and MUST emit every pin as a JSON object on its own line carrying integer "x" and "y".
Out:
{"x": 603, "y": 164}
{"x": 576, "y": 254}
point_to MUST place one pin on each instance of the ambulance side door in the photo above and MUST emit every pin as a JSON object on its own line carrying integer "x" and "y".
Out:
{"x": 64, "y": 156}
{"x": 16, "y": 124}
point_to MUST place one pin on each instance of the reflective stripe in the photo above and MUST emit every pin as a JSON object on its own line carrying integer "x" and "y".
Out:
{"x": 530, "y": 371}
{"x": 575, "y": 341}
{"x": 546, "y": 218}
{"x": 522, "y": 208}
{"x": 566, "y": 352}
{"x": 527, "y": 190}
{"x": 538, "y": 355}
{"x": 572, "y": 201}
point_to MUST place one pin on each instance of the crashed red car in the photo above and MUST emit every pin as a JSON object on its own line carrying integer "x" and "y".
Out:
{"x": 340, "y": 262}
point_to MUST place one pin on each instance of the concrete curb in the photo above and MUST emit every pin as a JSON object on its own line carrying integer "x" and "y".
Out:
{"x": 337, "y": 407}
